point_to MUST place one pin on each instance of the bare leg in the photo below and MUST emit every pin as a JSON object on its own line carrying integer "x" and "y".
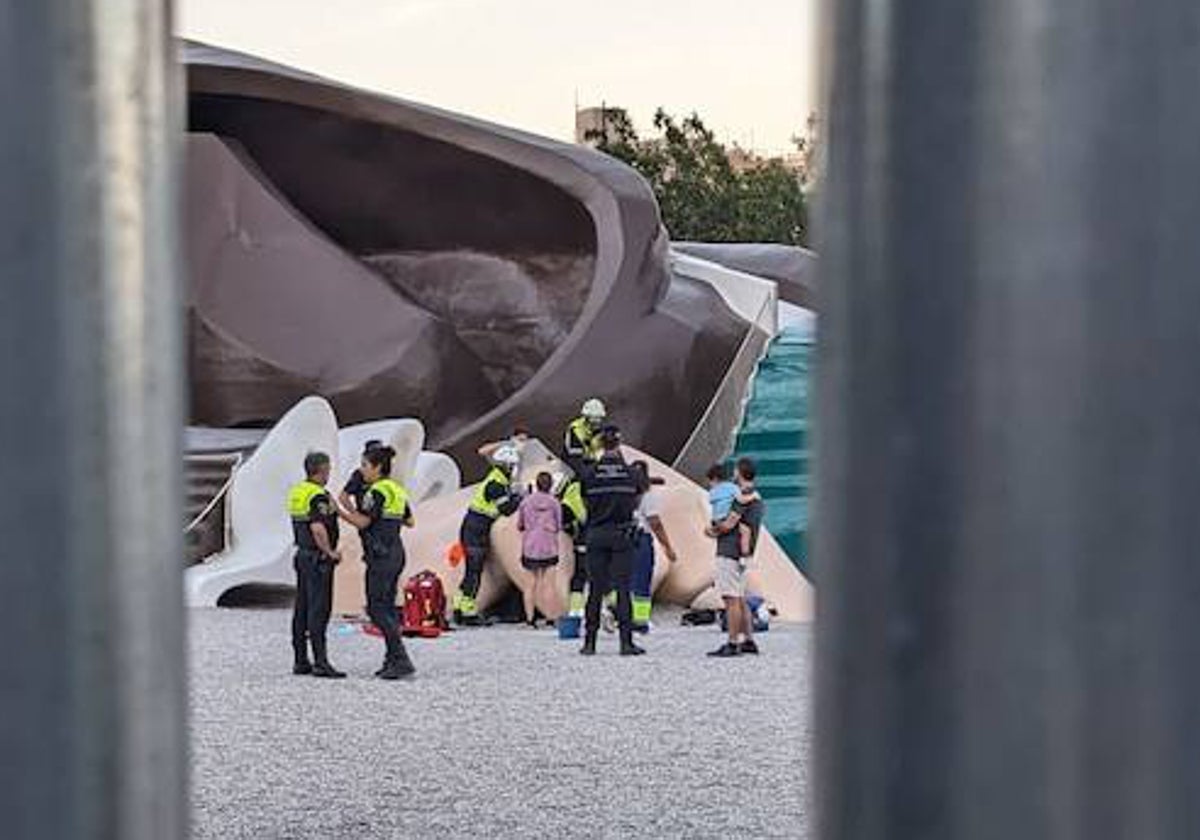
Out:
{"x": 732, "y": 619}
{"x": 530, "y": 597}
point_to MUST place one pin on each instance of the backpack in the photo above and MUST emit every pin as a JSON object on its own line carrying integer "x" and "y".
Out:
{"x": 424, "y": 611}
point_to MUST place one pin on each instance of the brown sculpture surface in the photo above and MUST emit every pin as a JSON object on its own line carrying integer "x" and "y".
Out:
{"x": 404, "y": 261}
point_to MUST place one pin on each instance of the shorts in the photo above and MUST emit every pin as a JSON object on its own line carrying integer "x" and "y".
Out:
{"x": 730, "y": 577}
{"x": 533, "y": 564}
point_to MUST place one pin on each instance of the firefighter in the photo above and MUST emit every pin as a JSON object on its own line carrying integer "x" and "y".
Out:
{"x": 581, "y": 442}
{"x": 494, "y": 497}
{"x": 575, "y": 524}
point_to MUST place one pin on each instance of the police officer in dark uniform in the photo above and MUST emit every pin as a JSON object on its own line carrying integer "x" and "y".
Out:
{"x": 315, "y": 527}
{"x": 385, "y": 510}
{"x": 611, "y": 488}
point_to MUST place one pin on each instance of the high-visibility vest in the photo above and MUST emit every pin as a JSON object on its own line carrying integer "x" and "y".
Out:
{"x": 299, "y": 504}
{"x": 395, "y": 498}
{"x": 481, "y": 503}
{"x": 300, "y": 498}
{"x": 573, "y": 499}
{"x": 587, "y": 437}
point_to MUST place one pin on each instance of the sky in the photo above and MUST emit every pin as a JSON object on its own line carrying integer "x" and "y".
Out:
{"x": 748, "y": 68}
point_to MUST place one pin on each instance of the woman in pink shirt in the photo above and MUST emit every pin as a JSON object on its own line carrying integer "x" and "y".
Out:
{"x": 540, "y": 520}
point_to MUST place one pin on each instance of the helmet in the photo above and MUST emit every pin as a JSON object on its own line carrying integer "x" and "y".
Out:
{"x": 594, "y": 410}
{"x": 507, "y": 456}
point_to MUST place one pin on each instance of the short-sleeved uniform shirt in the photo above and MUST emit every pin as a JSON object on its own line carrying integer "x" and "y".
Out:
{"x": 382, "y": 536}
{"x": 356, "y": 488}
{"x": 751, "y": 513}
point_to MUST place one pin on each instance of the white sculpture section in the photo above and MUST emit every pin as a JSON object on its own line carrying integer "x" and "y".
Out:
{"x": 259, "y": 549}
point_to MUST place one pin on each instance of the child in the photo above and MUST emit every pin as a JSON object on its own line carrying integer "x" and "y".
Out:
{"x": 722, "y": 495}
{"x": 540, "y": 521}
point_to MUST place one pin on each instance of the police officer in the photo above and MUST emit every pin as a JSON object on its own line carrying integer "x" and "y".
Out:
{"x": 356, "y": 488}
{"x": 385, "y": 510}
{"x": 494, "y": 497}
{"x": 581, "y": 442}
{"x": 574, "y": 512}
{"x": 315, "y": 528}
{"x": 611, "y": 489}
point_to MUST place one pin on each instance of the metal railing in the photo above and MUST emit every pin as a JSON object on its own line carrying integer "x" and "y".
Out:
{"x": 235, "y": 462}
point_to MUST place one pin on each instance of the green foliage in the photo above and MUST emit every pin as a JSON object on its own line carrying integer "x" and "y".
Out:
{"x": 701, "y": 195}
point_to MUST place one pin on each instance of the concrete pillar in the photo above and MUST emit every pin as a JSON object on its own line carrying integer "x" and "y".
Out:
{"x": 1008, "y": 473}
{"x": 91, "y": 672}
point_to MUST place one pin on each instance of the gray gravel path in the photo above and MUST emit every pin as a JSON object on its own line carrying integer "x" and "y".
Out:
{"x": 505, "y": 732}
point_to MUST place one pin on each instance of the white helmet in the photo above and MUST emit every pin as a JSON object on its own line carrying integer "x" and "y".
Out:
{"x": 507, "y": 456}
{"x": 593, "y": 409}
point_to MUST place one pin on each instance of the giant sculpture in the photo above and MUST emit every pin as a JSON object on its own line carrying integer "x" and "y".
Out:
{"x": 403, "y": 261}
{"x": 354, "y": 258}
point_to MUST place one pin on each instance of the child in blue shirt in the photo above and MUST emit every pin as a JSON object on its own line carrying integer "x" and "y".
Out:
{"x": 721, "y": 493}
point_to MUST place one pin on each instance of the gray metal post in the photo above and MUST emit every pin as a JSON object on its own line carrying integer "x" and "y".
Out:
{"x": 1008, "y": 511}
{"x": 91, "y": 674}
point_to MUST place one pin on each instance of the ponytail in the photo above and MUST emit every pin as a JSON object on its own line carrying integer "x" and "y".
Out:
{"x": 381, "y": 457}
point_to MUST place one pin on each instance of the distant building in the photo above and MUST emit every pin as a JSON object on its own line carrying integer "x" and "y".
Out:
{"x": 742, "y": 160}
{"x": 591, "y": 125}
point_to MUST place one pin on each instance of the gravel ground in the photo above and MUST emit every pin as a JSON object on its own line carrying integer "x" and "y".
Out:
{"x": 505, "y": 732}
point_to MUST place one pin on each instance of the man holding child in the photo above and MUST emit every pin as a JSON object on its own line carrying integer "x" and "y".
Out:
{"x": 737, "y": 515}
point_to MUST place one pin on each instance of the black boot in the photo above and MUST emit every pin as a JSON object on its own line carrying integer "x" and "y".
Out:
{"x": 589, "y": 644}
{"x": 327, "y": 671}
{"x": 628, "y": 648}
{"x": 397, "y": 666}
{"x": 302, "y": 668}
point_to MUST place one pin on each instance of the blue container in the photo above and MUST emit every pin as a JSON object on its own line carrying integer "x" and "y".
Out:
{"x": 569, "y": 626}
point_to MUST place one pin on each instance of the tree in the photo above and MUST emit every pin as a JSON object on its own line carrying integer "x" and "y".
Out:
{"x": 700, "y": 194}
{"x": 808, "y": 145}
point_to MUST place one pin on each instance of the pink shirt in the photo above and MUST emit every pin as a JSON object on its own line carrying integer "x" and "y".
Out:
{"x": 540, "y": 521}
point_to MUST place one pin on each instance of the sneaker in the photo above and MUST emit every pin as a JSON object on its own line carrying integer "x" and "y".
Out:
{"x": 326, "y": 671}
{"x": 632, "y": 650}
{"x": 726, "y": 650}
{"x": 749, "y": 647}
{"x": 302, "y": 669}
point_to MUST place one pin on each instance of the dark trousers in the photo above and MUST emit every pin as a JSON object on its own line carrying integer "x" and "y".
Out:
{"x": 579, "y": 576}
{"x": 383, "y": 580}
{"x": 609, "y": 565}
{"x": 314, "y": 601}
{"x": 476, "y": 537}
